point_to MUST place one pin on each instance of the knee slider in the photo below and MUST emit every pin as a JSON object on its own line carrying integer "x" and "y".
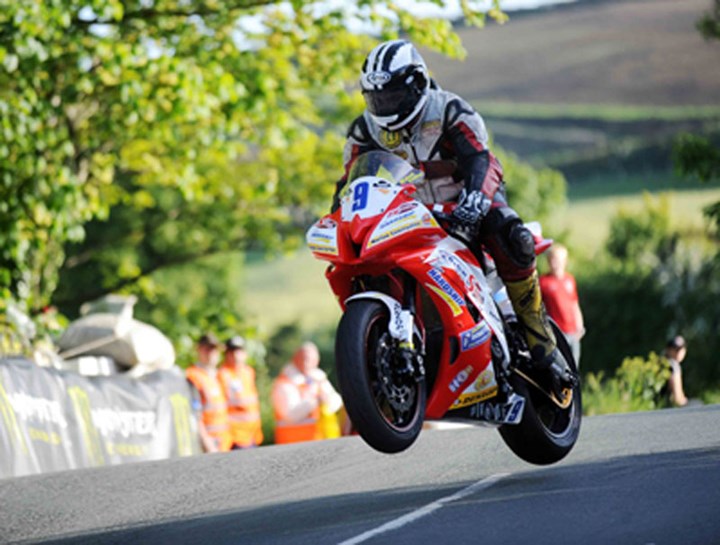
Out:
{"x": 521, "y": 244}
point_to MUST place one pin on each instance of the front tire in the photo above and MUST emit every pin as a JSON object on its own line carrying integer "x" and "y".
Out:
{"x": 546, "y": 433}
{"x": 385, "y": 406}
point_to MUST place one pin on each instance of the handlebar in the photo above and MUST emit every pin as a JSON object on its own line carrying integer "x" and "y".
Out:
{"x": 467, "y": 232}
{"x": 451, "y": 223}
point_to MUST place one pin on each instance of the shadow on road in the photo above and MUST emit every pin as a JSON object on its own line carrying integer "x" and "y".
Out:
{"x": 670, "y": 497}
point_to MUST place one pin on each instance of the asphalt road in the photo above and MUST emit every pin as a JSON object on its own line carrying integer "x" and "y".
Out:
{"x": 642, "y": 478}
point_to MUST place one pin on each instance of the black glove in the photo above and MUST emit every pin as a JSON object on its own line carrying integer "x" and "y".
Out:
{"x": 473, "y": 207}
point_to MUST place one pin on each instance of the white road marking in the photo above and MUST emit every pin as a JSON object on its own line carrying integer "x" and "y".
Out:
{"x": 425, "y": 510}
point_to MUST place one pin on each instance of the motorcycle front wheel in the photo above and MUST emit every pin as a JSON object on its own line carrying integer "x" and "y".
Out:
{"x": 546, "y": 433}
{"x": 385, "y": 403}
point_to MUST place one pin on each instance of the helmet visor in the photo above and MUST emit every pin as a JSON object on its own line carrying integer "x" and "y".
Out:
{"x": 390, "y": 101}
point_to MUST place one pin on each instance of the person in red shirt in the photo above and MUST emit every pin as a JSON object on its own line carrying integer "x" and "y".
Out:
{"x": 559, "y": 293}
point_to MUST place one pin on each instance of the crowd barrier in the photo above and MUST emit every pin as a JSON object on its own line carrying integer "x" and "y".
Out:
{"x": 53, "y": 420}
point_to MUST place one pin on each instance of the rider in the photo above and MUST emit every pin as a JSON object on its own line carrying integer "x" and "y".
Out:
{"x": 409, "y": 115}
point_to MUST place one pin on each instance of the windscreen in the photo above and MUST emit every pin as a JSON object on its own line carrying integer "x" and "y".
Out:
{"x": 384, "y": 165}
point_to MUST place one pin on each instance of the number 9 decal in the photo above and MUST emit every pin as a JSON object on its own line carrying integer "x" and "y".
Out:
{"x": 360, "y": 196}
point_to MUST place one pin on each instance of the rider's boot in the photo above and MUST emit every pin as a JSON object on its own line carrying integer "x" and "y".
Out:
{"x": 527, "y": 302}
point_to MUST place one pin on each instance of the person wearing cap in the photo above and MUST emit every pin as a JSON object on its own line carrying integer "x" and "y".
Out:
{"x": 301, "y": 395}
{"x": 238, "y": 381}
{"x": 214, "y": 424}
{"x": 675, "y": 351}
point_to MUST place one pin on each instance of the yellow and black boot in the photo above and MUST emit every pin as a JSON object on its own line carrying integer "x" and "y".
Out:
{"x": 527, "y": 301}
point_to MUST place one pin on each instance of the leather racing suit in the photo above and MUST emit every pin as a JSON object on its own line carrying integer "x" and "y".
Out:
{"x": 449, "y": 129}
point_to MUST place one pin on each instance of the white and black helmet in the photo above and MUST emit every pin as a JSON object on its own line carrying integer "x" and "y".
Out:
{"x": 394, "y": 83}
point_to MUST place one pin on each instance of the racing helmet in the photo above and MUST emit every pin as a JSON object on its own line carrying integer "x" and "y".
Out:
{"x": 394, "y": 83}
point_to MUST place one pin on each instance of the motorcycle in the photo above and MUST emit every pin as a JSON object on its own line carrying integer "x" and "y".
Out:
{"x": 427, "y": 330}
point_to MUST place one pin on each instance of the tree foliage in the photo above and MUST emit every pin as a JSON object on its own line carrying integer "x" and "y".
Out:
{"x": 698, "y": 156}
{"x": 709, "y": 24}
{"x": 192, "y": 126}
{"x": 641, "y": 241}
{"x": 653, "y": 283}
{"x": 638, "y": 384}
{"x": 537, "y": 194}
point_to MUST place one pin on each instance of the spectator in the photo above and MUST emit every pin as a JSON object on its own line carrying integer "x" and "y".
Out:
{"x": 238, "y": 381}
{"x": 559, "y": 293}
{"x": 301, "y": 394}
{"x": 675, "y": 351}
{"x": 214, "y": 425}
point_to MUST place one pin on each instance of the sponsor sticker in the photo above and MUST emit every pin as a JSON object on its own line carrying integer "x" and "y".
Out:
{"x": 431, "y": 128}
{"x": 379, "y": 78}
{"x": 500, "y": 413}
{"x": 439, "y": 279}
{"x": 406, "y": 217}
{"x": 390, "y": 139}
{"x": 474, "y": 337}
{"x": 460, "y": 379}
{"x": 448, "y": 260}
{"x": 455, "y": 307}
{"x": 322, "y": 237}
{"x": 483, "y": 387}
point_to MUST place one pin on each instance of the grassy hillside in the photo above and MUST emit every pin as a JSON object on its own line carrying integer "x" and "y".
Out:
{"x": 627, "y": 52}
{"x": 580, "y": 82}
{"x": 593, "y": 204}
{"x": 287, "y": 290}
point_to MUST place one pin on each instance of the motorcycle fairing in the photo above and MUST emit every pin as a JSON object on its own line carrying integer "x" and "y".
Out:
{"x": 378, "y": 212}
{"x": 444, "y": 284}
{"x": 401, "y": 325}
{"x": 322, "y": 238}
{"x": 406, "y": 217}
{"x": 499, "y": 413}
{"x": 484, "y": 387}
{"x": 366, "y": 197}
{"x": 381, "y": 228}
{"x": 452, "y": 255}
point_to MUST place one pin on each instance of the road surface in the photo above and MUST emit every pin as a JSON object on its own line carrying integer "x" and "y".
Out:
{"x": 636, "y": 478}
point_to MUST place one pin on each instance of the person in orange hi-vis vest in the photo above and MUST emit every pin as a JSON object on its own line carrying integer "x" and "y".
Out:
{"x": 300, "y": 395}
{"x": 238, "y": 381}
{"x": 214, "y": 425}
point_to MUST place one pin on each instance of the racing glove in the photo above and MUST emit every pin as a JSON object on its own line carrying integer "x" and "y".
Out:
{"x": 473, "y": 207}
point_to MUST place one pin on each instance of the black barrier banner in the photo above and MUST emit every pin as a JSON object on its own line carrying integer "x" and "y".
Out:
{"x": 52, "y": 420}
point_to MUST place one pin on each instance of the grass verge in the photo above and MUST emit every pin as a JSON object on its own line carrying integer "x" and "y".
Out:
{"x": 595, "y": 112}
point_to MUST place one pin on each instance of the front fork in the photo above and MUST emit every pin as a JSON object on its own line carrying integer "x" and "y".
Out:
{"x": 410, "y": 356}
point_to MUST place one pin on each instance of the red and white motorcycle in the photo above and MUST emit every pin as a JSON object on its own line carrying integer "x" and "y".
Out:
{"x": 427, "y": 330}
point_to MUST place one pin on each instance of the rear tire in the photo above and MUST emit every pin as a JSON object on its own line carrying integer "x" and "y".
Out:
{"x": 546, "y": 433}
{"x": 388, "y": 414}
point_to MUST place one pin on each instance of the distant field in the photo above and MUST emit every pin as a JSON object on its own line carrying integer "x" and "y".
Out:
{"x": 569, "y": 143}
{"x": 597, "y": 77}
{"x": 631, "y": 52}
{"x": 593, "y": 204}
{"x": 288, "y": 290}
{"x": 596, "y": 112}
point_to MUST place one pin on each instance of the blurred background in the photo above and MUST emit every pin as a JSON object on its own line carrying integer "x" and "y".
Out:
{"x": 177, "y": 154}
{"x": 599, "y": 92}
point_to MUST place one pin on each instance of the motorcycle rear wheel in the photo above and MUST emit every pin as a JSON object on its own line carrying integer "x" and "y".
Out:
{"x": 546, "y": 433}
{"x": 386, "y": 407}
